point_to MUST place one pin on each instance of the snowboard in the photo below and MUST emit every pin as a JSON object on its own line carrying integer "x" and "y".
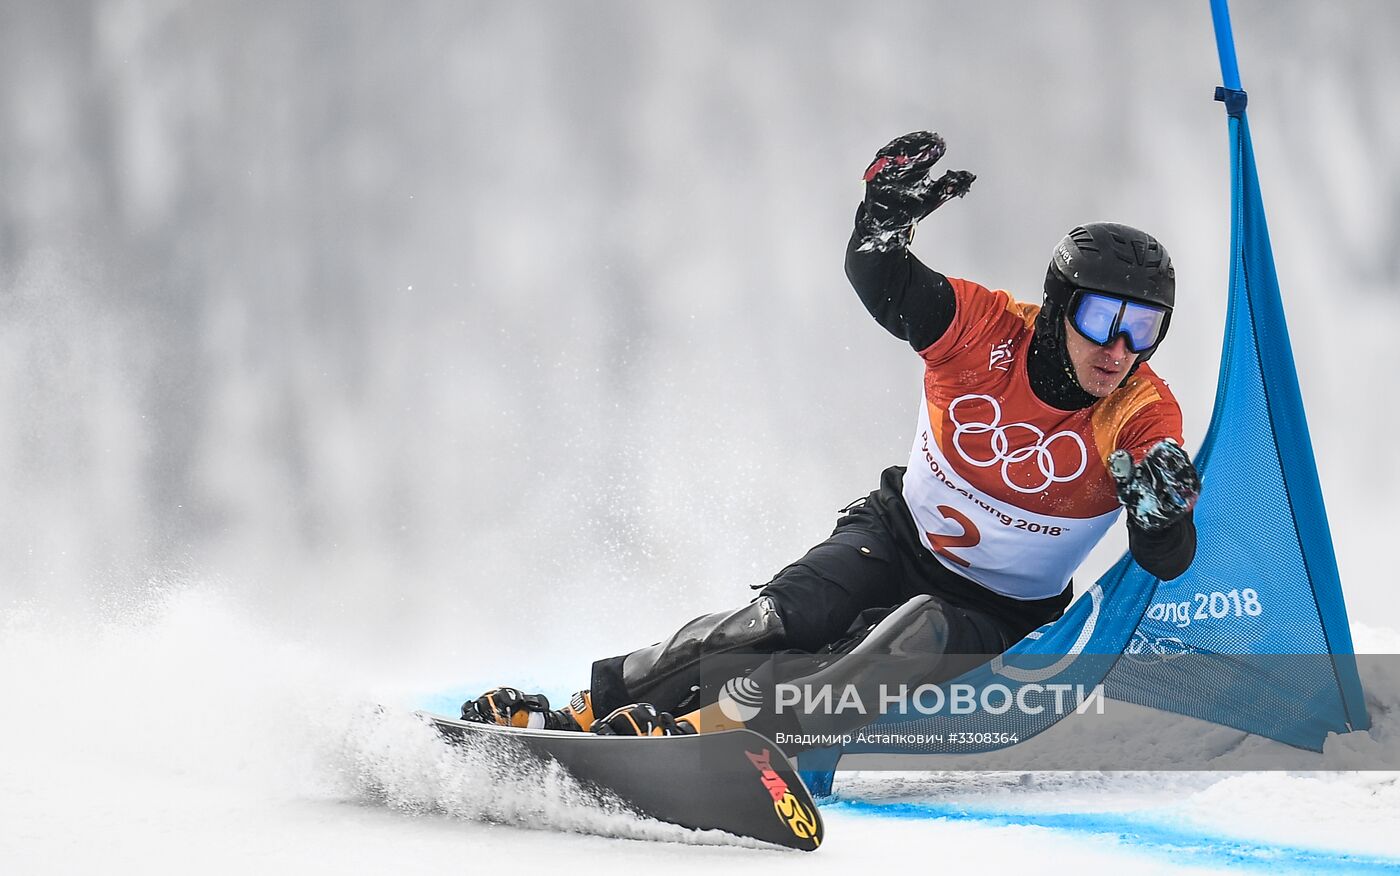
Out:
{"x": 735, "y": 781}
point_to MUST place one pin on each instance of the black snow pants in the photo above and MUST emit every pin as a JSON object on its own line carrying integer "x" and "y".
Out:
{"x": 872, "y": 563}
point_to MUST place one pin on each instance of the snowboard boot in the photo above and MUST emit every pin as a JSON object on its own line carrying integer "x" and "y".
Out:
{"x": 509, "y": 707}
{"x": 641, "y": 719}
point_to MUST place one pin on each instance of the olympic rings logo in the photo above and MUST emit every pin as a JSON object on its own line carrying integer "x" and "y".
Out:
{"x": 1001, "y": 441}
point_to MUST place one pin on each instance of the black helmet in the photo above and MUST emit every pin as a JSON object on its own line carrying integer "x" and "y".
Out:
{"x": 1113, "y": 258}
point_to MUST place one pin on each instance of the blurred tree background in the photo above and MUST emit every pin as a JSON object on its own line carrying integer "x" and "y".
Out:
{"x": 398, "y": 316}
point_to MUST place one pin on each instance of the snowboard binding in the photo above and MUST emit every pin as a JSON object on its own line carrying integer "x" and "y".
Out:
{"x": 509, "y": 707}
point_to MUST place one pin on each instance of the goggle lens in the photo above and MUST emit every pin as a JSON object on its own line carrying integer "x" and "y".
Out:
{"x": 1101, "y": 318}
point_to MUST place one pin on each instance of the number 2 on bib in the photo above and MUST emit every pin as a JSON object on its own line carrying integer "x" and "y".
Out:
{"x": 969, "y": 537}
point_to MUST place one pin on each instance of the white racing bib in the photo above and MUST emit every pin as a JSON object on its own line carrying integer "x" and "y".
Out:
{"x": 990, "y": 540}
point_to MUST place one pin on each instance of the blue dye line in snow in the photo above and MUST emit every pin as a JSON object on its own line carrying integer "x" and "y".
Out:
{"x": 1179, "y": 846}
{"x": 446, "y": 704}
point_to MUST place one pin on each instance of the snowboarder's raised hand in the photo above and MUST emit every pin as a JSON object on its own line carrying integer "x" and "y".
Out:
{"x": 1158, "y": 491}
{"x": 900, "y": 189}
{"x": 641, "y": 719}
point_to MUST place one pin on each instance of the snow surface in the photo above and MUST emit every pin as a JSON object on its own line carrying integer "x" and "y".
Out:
{"x": 186, "y": 735}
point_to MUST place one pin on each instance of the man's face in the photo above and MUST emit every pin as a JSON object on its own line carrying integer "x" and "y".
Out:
{"x": 1098, "y": 369}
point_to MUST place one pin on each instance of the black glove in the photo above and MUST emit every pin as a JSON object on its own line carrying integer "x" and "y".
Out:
{"x": 1158, "y": 491}
{"x": 900, "y": 190}
{"x": 505, "y": 706}
{"x": 641, "y": 719}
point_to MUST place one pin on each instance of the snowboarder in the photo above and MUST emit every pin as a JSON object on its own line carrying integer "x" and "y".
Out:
{"x": 1036, "y": 424}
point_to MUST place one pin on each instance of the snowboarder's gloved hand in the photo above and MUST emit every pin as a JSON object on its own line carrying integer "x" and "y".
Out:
{"x": 641, "y": 719}
{"x": 900, "y": 189}
{"x": 1158, "y": 491}
{"x": 511, "y": 708}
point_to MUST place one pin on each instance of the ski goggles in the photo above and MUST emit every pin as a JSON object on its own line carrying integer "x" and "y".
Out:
{"x": 1102, "y": 318}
